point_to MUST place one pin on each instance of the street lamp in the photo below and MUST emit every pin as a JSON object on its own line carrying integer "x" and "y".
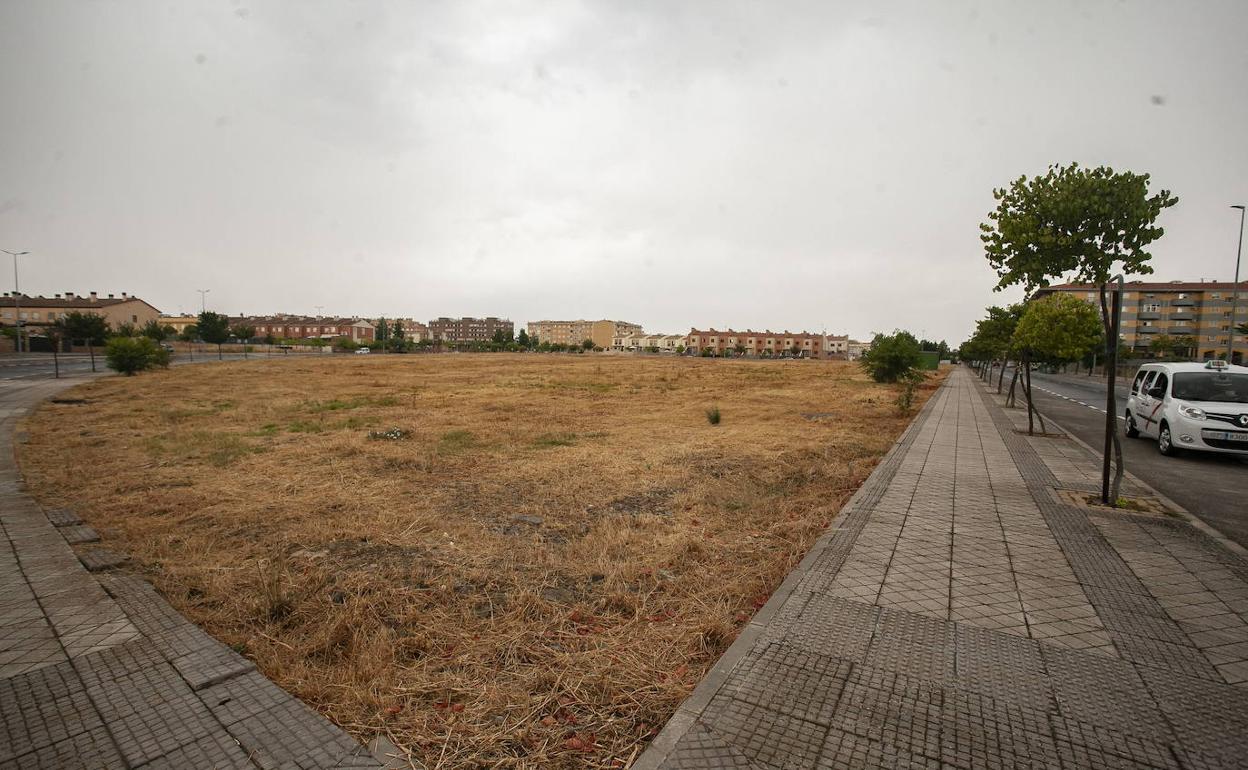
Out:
{"x": 17, "y": 301}
{"x": 1230, "y": 337}
{"x": 203, "y": 293}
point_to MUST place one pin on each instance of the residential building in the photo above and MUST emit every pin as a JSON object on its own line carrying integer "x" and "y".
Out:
{"x": 414, "y": 330}
{"x": 1197, "y": 309}
{"x": 854, "y": 349}
{"x": 469, "y": 329}
{"x": 37, "y": 312}
{"x": 296, "y": 327}
{"x": 179, "y": 322}
{"x": 765, "y": 343}
{"x": 601, "y": 333}
{"x": 662, "y": 343}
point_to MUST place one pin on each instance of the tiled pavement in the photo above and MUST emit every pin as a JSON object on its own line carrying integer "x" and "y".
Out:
{"x": 96, "y": 670}
{"x": 962, "y": 614}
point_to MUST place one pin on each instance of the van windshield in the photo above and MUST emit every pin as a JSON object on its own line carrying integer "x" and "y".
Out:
{"x": 1211, "y": 386}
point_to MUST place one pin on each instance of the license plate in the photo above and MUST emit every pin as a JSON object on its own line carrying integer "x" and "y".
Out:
{"x": 1224, "y": 436}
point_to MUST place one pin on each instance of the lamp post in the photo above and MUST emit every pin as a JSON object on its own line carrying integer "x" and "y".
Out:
{"x": 1230, "y": 337}
{"x": 17, "y": 298}
{"x": 203, "y": 293}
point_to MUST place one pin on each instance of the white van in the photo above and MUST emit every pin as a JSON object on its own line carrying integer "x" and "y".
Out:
{"x": 1200, "y": 406}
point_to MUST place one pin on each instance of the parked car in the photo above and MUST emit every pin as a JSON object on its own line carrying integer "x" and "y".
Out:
{"x": 362, "y": 350}
{"x": 1190, "y": 406}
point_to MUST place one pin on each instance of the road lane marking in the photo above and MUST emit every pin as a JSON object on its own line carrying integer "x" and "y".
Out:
{"x": 1074, "y": 400}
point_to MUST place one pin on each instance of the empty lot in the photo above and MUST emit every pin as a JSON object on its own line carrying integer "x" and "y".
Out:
{"x": 497, "y": 560}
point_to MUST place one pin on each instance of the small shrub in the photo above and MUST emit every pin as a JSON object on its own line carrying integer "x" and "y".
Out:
{"x": 905, "y": 399}
{"x": 892, "y": 357}
{"x": 712, "y": 415}
{"x": 131, "y": 355}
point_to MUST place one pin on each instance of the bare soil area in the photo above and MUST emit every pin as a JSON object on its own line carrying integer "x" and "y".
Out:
{"x": 496, "y": 560}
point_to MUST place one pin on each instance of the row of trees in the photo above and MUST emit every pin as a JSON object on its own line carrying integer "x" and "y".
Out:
{"x": 1071, "y": 223}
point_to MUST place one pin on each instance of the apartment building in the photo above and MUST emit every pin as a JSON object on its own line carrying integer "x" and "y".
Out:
{"x": 602, "y": 333}
{"x": 1197, "y": 309}
{"x": 293, "y": 327}
{"x": 179, "y": 322}
{"x": 663, "y": 343}
{"x": 469, "y": 329}
{"x": 36, "y": 312}
{"x": 764, "y": 344}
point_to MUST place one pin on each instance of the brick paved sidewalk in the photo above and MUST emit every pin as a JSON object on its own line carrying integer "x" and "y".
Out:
{"x": 96, "y": 670}
{"x": 963, "y": 613}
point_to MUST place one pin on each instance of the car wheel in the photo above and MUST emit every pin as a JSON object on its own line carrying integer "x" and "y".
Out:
{"x": 1164, "y": 444}
{"x": 1133, "y": 430}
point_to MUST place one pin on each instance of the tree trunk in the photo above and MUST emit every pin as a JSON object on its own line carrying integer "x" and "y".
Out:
{"x": 1111, "y": 402}
{"x": 1001, "y": 377}
{"x": 91, "y": 350}
{"x": 1032, "y": 411}
{"x": 219, "y": 356}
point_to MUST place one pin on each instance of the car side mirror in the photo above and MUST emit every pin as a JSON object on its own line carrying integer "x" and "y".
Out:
{"x": 1157, "y": 392}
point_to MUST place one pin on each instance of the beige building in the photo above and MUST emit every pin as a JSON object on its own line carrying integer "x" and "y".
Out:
{"x": 1195, "y": 310}
{"x": 854, "y": 349}
{"x": 649, "y": 343}
{"x": 179, "y": 322}
{"x": 601, "y": 333}
{"x": 34, "y": 313}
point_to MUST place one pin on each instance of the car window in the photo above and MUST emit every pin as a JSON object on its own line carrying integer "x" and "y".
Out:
{"x": 1161, "y": 381}
{"x": 1139, "y": 380}
{"x": 1211, "y": 386}
{"x": 1148, "y": 381}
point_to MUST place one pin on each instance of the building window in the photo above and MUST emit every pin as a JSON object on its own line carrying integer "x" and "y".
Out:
{"x": 1152, "y": 307}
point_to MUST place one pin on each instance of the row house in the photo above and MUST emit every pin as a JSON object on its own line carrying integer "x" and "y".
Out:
{"x": 414, "y": 330}
{"x": 286, "y": 327}
{"x": 765, "y": 343}
{"x": 34, "y": 313}
{"x": 663, "y": 343}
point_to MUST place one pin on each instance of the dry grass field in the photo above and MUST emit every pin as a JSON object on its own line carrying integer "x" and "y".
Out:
{"x": 533, "y": 570}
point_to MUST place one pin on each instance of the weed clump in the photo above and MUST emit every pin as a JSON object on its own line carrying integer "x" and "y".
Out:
{"x": 394, "y": 434}
{"x": 712, "y": 415}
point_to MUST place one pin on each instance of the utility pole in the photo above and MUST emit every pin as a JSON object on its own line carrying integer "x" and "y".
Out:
{"x": 1239, "y": 250}
{"x": 17, "y": 298}
{"x": 203, "y": 293}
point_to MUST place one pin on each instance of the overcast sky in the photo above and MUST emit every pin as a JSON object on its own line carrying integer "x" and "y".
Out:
{"x": 771, "y": 164}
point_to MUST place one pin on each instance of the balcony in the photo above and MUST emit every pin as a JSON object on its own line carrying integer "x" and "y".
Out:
{"x": 1148, "y": 330}
{"x": 1181, "y": 329}
{"x": 1146, "y": 316}
{"x": 1182, "y": 302}
{"x": 1183, "y": 315}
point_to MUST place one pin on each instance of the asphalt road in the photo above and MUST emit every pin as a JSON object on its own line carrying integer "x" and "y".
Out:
{"x": 1214, "y": 487}
{"x": 31, "y": 366}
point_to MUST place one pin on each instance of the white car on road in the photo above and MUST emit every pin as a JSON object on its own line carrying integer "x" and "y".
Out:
{"x": 1200, "y": 406}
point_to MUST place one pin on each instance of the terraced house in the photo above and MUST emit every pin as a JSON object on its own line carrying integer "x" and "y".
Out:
{"x": 1197, "y": 309}
{"x": 765, "y": 344}
{"x": 601, "y": 333}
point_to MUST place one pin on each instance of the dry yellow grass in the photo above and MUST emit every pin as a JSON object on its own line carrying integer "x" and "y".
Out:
{"x": 535, "y": 575}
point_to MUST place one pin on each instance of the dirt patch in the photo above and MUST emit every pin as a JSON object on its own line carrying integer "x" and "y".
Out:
{"x": 530, "y": 563}
{"x": 1147, "y": 506}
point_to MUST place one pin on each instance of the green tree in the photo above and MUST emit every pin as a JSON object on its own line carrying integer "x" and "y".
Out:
{"x": 1087, "y": 223}
{"x": 1160, "y": 345}
{"x": 587, "y": 344}
{"x": 155, "y": 330}
{"x": 126, "y": 329}
{"x": 523, "y": 339}
{"x": 189, "y": 333}
{"x": 244, "y": 333}
{"x": 500, "y": 337}
{"x": 87, "y": 328}
{"x": 382, "y": 332}
{"x": 892, "y": 357}
{"x": 214, "y": 329}
{"x": 1056, "y": 329}
{"x": 1185, "y": 346}
{"x": 130, "y": 355}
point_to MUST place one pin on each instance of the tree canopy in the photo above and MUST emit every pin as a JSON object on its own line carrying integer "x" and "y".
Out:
{"x": 892, "y": 357}
{"x": 1072, "y": 221}
{"x": 1059, "y": 328}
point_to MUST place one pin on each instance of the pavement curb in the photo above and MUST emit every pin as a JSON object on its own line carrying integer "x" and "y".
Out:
{"x": 1205, "y": 528}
